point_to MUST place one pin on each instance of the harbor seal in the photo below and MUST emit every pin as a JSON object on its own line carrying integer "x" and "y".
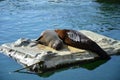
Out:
{"x": 50, "y": 38}
{"x": 79, "y": 40}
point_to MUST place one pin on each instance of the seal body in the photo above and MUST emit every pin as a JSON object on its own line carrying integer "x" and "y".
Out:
{"x": 79, "y": 40}
{"x": 50, "y": 38}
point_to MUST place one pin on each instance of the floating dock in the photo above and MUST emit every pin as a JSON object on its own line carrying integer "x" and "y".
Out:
{"x": 40, "y": 58}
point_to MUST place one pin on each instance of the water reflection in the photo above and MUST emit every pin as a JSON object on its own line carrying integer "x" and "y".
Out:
{"x": 55, "y": 1}
{"x": 89, "y": 65}
{"x": 83, "y": 14}
{"x": 109, "y": 1}
{"x": 1, "y": 0}
{"x": 111, "y": 14}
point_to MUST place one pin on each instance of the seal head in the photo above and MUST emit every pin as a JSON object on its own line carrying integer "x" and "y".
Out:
{"x": 50, "y": 38}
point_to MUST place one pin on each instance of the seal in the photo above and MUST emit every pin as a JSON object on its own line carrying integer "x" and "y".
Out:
{"x": 79, "y": 40}
{"x": 50, "y": 38}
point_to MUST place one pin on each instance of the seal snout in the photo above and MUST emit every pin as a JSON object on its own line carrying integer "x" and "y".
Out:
{"x": 58, "y": 44}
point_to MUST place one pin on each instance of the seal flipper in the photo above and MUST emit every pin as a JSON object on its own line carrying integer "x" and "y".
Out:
{"x": 39, "y": 38}
{"x": 83, "y": 42}
{"x": 38, "y": 41}
{"x": 94, "y": 47}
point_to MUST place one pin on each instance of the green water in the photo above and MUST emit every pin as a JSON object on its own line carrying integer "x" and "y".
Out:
{"x": 28, "y": 18}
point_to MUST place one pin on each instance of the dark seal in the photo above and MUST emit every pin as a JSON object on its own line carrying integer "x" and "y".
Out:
{"x": 50, "y": 38}
{"x": 79, "y": 40}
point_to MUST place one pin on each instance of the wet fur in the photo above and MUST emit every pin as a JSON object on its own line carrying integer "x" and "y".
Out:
{"x": 81, "y": 41}
{"x": 51, "y": 39}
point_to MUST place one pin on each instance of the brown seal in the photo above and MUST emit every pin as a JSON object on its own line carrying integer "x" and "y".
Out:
{"x": 51, "y": 39}
{"x": 79, "y": 40}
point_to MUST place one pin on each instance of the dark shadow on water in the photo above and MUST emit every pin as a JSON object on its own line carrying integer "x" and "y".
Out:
{"x": 89, "y": 65}
{"x": 1, "y": 0}
{"x": 109, "y": 1}
{"x": 110, "y": 10}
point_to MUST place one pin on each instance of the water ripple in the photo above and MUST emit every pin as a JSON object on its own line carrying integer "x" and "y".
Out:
{"x": 28, "y": 18}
